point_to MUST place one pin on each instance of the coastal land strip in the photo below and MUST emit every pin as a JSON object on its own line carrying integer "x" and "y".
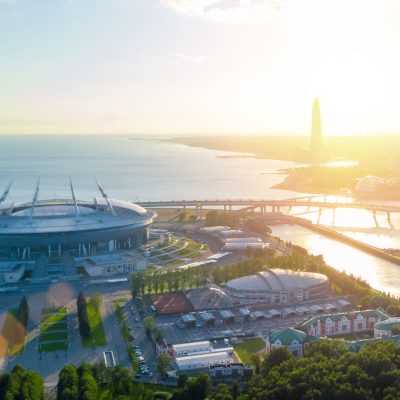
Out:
{"x": 346, "y": 159}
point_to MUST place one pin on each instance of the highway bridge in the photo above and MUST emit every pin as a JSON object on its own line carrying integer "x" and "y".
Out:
{"x": 265, "y": 206}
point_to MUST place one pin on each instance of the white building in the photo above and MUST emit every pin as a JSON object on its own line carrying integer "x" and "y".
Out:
{"x": 278, "y": 286}
{"x": 202, "y": 361}
{"x": 111, "y": 264}
{"x": 189, "y": 349}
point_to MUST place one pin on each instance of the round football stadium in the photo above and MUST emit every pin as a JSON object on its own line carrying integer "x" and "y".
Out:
{"x": 279, "y": 286}
{"x": 105, "y": 225}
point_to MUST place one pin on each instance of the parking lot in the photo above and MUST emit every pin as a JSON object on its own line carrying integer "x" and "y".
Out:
{"x": 174, "y": 332}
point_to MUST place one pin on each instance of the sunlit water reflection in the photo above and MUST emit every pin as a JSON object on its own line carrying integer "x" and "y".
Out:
{"x": 379, "y": 273}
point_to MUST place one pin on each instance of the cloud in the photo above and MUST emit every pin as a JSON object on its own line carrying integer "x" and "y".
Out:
{"x": 191, "y": 59}
{"x": 227, "y": 11}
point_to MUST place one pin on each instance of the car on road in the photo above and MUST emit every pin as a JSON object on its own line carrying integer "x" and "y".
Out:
{"x": 141, "y": 358}
{"x": 137, "y": 319}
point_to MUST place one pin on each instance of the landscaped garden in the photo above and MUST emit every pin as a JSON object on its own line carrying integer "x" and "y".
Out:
{"x": 176, "y": 251}
{"x": 249, "y": 348}
{"x": 53, "y": 330}
{"x": 97, "y": 335}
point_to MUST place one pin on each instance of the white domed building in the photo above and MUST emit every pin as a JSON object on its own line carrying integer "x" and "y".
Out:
{"x": 278, "y": 286}
{"x": 369, "y": 184}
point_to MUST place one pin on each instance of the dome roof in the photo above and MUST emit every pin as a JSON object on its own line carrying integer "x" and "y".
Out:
{"x": 369, "y": 184}
{"x": 276, "y": 280}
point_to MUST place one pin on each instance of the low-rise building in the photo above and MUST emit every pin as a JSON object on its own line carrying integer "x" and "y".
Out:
{"x": 111, "y": 264}
{"x": 162, "y": 347}
{"x": 356, "y": 345}
{"x": 13, "y": 271}
{"x": 343, "y": 323}
{"x": 291, "y": 338}
{"x": 234, "y": 370}
{"x": 190, "y": 349}
{"x": 202, "y": 361}
{"x": 387, "y": 328}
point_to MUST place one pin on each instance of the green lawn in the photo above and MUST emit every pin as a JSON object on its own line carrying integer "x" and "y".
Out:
{"x": 60, "y": 326}
{"x": 49, "y": 337}
{"x": 53, "y": 318}
{"x": 176, "y": 262}
{"x": 98, "y": 337}
{"x": 53, "y": 346}
{"x": 249, "y": 348}
{"x": 57, "y": 310}
{"x": 12, "y": 335}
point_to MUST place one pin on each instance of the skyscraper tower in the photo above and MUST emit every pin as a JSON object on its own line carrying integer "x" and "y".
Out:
{"x": 316, "y": 133}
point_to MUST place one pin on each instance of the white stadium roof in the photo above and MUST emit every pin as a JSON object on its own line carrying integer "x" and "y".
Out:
{"x": 277, "y": 280}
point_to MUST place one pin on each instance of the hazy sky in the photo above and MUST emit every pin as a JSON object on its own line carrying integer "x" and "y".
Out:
{"x": 199, "y": 66}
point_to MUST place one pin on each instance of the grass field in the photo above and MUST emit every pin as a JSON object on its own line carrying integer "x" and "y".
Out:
{"x": 54, "y": 318}
{"x": 56, "y": 310}
{"x": 249, "y": 348}
{"x": 48, "y": 337}
{"x": 12, "y": 335}
{"x": 62, "y": 326}
{"x": 53, "y": 346}
{"x": 98, "y": 337}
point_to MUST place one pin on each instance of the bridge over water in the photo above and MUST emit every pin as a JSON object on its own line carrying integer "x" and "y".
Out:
{"x": 265, "y": 205}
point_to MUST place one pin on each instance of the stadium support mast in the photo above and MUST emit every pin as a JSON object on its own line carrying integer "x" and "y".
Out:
{"x": 74, "y": 200}
{"x": 106, "y": 198}
{"x": 34, "y": 200}
{"x": 5, "y": 194}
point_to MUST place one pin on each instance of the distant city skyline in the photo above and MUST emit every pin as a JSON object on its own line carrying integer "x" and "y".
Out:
{"x": 199, "y": 66}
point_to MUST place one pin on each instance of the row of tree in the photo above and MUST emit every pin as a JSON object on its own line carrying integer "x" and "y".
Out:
{"x": 329, "y": 372}
{"x": 89, "y": 382}
{"x": 83, "y": 318}
{"x": 21, "y": 385}
{"x": 155, "y": 281}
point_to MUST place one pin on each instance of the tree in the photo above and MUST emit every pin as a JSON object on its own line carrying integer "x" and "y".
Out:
{"x": 23, "y": 385}
{"x": 182, "y": 380}
{"x": 163, "y": 363}
{"x": 96, "y": 300}
{"x": 23, "y": 312}
{"x": 395, "y": 330}
{"x": 149, "y": 325}
{"x": 222, "y": 393}
{"x": 84, "y": 327}
{"x": 67, "y": 387}
{"x": 274, "y": 358}
{"x": 200, "y": 387}
{"x": 327, "y": 348}
{"x": 235, "y": 391}
{"x": 88, "y": 389}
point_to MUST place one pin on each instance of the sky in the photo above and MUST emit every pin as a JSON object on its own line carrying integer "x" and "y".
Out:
{"x": 199, "y": 66}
